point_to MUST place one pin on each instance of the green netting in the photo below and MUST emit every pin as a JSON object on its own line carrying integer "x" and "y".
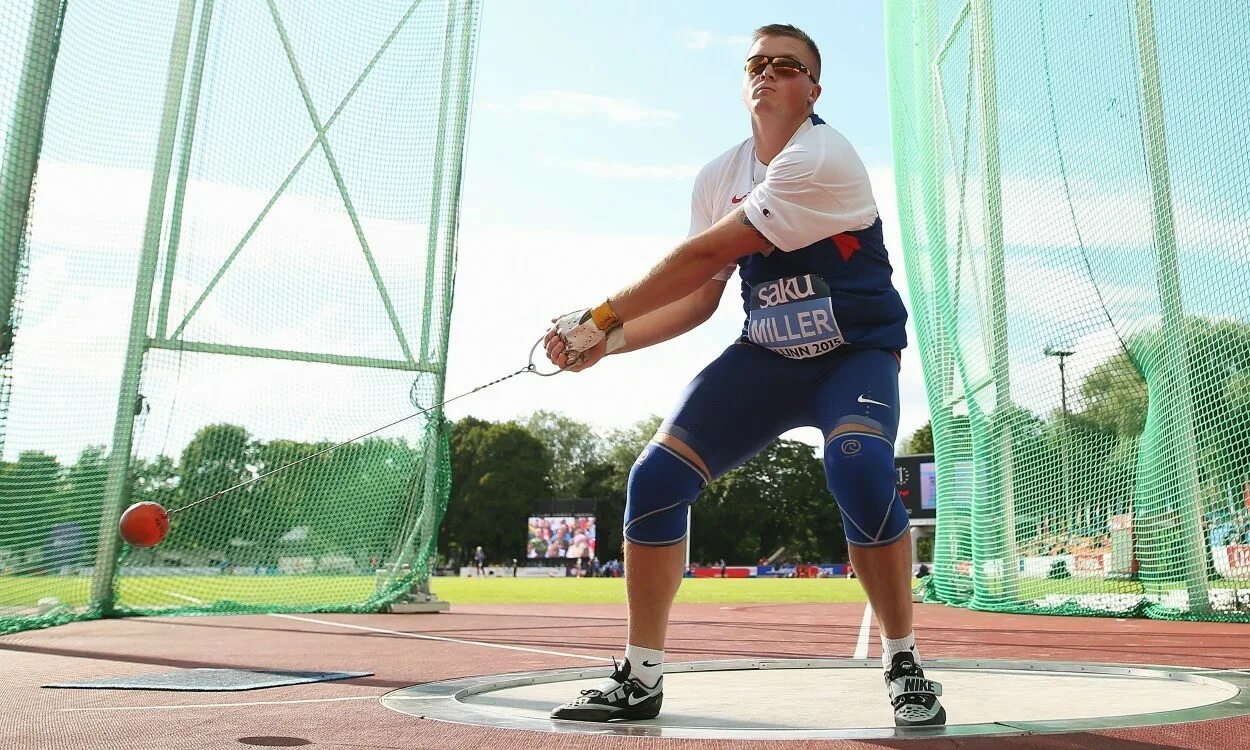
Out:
{"x": 230, "y": 231}
{"x": 1074, "y": 193}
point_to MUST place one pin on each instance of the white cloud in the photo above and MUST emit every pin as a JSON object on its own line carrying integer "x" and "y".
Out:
{"x": 574, "y": 104}
{"x": 621, "y": 171}
{"x": 77, "y": 309}
{"x": 701, "y": 39}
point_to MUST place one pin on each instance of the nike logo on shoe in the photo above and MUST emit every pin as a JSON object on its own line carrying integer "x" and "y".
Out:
{"x": 863, "y": 400}
{"x": 635, "y": 700}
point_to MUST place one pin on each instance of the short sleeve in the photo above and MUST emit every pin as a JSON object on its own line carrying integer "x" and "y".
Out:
{"x": 815, "y": 188}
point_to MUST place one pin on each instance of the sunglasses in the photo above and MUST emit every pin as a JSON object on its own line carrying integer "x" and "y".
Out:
{"x": 785, "y": 66}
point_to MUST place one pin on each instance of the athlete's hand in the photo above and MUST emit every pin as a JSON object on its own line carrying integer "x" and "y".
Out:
{"x": 561, "y": 355}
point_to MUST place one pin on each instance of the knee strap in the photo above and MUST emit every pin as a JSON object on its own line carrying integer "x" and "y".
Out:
{"x": 859, "y": 466}
{"x": 662, "y": 485}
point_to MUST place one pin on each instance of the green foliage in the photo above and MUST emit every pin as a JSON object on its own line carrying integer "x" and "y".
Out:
{"x": 921, "y": 441}
{"x": 574, "y": 448}
{"x": 37, "y": 495}
{"x": 778, "y": 498}
{"x": 497, "y": 471}
{"x": 1116, "y": 399}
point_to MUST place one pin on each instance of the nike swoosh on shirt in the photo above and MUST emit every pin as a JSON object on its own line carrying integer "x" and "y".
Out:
{"x": 863, "y": 400}
{"x": 736, "y": 200}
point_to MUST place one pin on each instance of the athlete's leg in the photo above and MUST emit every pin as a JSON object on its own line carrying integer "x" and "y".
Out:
{"x": 729, "y": 412}
{"x": 717, "y": 427}
{"x": 885, "y": 573}
{"x": 860, "y": 398}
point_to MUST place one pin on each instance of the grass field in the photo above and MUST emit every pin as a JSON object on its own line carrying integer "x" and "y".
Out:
{"x": 178, "y": 590}
{"x": 19, "y": 591}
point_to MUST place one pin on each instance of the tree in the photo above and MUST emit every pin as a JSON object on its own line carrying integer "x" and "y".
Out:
{"x": 1116, "y": 398}
{"x": 573, "y": 446}
{"x": 498, "y": 470}
{"x": 778, "y": 498}
{"x": 31, "y": 497}
{"x": 217, "y": 458}
{"x": 921, "y": 441}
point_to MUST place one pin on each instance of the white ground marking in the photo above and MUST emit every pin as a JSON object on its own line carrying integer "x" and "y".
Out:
{"x": 325, "y": 700}
{"x": 861, "y": 645}
{"x": 441, "y": 638}
{"x": 417, "y": 635}
{"x": 225, "y": 705}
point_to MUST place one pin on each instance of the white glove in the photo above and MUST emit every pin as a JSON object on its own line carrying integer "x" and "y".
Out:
{"x": 578, "y": 330}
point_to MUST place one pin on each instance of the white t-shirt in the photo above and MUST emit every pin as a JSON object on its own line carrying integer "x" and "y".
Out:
{"x": 815, "y": 188}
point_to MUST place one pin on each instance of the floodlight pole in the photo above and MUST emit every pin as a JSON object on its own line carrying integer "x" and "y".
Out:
{"x": 1065, "y": 456}
{"x": 1175, "y": 400}
{"x": 117, "y": 482}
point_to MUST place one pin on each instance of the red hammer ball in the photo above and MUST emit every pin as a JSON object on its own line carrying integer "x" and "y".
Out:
{"x": 144, "y": 524}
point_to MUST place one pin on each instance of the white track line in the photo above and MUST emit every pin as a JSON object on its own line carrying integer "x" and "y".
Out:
{"x": 226, "y": 705}
{"x": 861, "y": 645}
{"x": 416, "y": 635}
{"x": 441, "y": 638}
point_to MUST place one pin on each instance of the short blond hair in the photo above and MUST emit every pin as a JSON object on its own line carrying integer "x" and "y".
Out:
{"x": 794, "y": 32}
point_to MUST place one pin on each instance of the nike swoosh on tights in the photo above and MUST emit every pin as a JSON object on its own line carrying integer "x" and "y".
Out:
{"x": 863, "y": 400}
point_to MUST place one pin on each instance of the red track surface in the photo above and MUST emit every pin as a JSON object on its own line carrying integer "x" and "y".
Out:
{"x": 31, "y": 717}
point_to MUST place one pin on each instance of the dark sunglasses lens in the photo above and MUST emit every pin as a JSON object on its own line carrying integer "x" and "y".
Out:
{"x": 783, "y": 65}
{"x": 786, "y": 66}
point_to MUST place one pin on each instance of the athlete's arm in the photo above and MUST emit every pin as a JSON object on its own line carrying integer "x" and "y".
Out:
{"x": 668, "y": 322}
{"x": 689, "y": 266}
{"x": 673, "y": 319}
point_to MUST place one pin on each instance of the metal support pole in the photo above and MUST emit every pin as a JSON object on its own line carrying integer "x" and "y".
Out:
{"x": 939, "y": 362}
{"x": 185, "y": 147}
{"x": 991, "y": 174}
{"x": 1175, "y": 397}
{"x": 453, "y": 116}
{"x": 117, "y": 484}
{"x": 21, "y": 155}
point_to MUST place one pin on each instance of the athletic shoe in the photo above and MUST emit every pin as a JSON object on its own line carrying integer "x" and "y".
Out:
{"x": 915, "y": 699}
{"x": 619, "y": 697}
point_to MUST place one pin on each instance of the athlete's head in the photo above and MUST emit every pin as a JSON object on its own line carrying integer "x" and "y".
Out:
{"x": 781, "y": 74}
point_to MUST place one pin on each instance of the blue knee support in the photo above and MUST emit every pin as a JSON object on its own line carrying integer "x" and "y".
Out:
{"x": 859, "y": 466}
{"x": 662, "y": 485}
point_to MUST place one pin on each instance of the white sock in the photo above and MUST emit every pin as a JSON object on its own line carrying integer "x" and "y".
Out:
{"x": 646, "y": 664}
{"x": 892, "y": 646}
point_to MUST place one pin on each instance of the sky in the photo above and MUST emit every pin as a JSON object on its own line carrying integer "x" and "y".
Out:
{"x": 590, "y": 122}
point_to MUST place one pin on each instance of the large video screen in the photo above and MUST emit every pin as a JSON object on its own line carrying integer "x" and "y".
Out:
{"x": 917, "y": 484}
{"x": 928, "y": 486}
{"x": 552, "y": 537}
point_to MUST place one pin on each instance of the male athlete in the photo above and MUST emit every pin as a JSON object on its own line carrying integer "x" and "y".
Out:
{"x": 792, "y": 209}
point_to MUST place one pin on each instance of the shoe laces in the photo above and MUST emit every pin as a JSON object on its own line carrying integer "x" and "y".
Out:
{"x": 620, "y": 676}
